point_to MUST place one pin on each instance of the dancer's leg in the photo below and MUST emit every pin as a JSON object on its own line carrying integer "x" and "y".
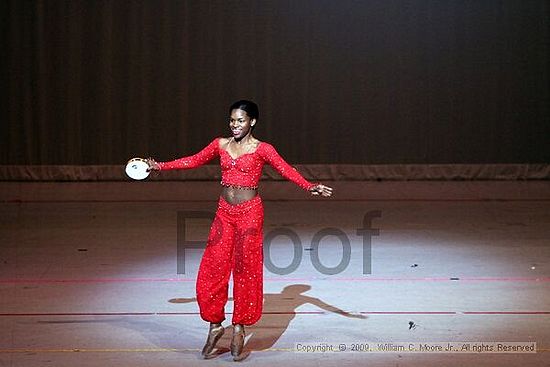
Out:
{"x": 215, "y": 269}
{"x": 248, "y": 266}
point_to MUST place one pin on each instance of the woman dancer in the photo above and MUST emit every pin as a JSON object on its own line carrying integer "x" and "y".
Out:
{"x": 235, "y": 241}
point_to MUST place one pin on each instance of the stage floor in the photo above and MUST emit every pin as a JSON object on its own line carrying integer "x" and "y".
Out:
{"x": 89, "y": 274}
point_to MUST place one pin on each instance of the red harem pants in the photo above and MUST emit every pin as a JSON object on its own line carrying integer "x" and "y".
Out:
{"x": 234, "y": 246}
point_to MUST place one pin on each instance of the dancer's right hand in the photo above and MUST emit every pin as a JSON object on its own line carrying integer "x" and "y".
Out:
{"x": 153, "y": 165}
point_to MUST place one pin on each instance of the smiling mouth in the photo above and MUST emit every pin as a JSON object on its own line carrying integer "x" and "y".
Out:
{"x": 236, "y": 131}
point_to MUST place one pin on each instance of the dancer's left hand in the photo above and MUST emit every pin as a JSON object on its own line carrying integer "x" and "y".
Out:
{"x": 322, "y": 190}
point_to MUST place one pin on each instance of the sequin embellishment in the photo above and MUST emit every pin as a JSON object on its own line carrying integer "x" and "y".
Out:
{"x": 234, "y": 244}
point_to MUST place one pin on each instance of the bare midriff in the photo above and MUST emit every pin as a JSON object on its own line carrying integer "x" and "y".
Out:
{"x": 234, "y": 194}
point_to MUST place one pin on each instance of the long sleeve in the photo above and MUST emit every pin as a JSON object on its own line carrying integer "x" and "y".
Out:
{"x": 195, "y": 160}
{"x": 270, "y": 155}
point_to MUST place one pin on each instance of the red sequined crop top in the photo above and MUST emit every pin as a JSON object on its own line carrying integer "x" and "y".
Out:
{"x": 244, "y": 171}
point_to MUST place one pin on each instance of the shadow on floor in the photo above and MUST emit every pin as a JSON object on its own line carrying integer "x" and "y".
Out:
{"x": 278, "y": 312}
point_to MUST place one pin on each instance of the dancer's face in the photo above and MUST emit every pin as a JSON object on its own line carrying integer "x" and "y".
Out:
{"x": 240, "y": 123}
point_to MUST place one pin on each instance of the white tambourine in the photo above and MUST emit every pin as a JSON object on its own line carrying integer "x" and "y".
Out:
{"x": 137, "y": 169}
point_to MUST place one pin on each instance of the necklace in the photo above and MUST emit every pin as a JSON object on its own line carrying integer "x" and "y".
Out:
{"x": 247, "y": 145}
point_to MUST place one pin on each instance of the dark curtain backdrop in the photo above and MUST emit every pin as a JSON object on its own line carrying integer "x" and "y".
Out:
{"x": 337, "y": 81}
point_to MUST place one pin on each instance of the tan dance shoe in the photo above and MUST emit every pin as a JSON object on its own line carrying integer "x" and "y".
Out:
{"x": 214, "y": 334}
{"x": 237, "y": 341}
